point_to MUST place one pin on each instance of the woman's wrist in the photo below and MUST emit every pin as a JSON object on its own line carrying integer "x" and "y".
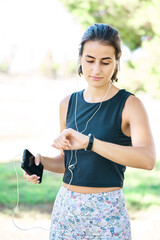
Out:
{"x": 86, "y": 142}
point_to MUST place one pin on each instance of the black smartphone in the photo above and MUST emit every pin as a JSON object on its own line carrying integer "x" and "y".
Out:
{"x": 28, "y": 164}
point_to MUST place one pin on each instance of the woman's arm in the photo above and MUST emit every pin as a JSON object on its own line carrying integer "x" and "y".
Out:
{"x": 55, "y": 164}
{"x": 140, "y": 155}
{"x": 142, "y": 152}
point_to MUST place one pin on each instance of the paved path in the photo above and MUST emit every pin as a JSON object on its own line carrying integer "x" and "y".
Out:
{"x": 145, "y": 225}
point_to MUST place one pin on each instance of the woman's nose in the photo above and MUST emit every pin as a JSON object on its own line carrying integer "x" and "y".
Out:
{"x": 96, "y": 68}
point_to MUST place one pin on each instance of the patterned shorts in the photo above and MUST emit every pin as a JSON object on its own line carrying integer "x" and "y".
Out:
{"x": 90, "y": 216}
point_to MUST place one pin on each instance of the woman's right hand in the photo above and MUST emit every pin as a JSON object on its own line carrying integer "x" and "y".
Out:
{"x": 33, "y": 178}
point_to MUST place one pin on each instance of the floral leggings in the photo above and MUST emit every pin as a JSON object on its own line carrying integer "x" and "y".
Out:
{"x": 90, "y": 216}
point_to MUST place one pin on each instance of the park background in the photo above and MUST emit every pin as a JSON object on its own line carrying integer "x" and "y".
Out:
{"x": 38, "y": 67}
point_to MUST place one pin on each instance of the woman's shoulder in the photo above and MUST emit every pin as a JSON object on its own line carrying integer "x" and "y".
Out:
{"x": 132, "y": 99}
{"x": 134, "y": 106}
{"x": 65, "y": 101}
{"x": 63, "y": 108}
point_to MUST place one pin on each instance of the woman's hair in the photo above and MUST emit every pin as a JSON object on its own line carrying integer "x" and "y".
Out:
{"x": 105, "y": 34}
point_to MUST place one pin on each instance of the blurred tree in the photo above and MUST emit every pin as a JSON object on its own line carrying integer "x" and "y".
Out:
{"x": 138, "y": 22}
{"x": 143, "y": 73}
{"x": 49, "y": 68}
{"x": 4, "y": 66}
{"x": 134, "y": 19}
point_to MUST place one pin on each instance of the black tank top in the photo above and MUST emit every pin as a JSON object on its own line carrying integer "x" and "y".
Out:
{"x": 91, "y": 169}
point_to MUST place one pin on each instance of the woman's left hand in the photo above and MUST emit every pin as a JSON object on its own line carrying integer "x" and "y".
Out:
{"x": 70, "y": 139}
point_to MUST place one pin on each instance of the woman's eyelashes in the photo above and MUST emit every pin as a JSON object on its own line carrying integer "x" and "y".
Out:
{"x": 93, "y": 62}
{"x": 105, "y": 63}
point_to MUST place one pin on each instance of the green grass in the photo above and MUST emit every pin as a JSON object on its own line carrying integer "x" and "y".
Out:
{"x": 142, "y": 188}
{"x": 29, "y": 193}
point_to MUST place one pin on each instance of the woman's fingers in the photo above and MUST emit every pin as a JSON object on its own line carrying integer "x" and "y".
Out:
{"x": 37, "y": 159}
{"x": 70, "y": 139}
{"x": 61, "y": 142}
{"x": 31, "y": 178}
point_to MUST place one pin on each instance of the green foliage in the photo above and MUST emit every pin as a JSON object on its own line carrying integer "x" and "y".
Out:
{"x": 49, "y": 70}
{"x": 130, "y": 64}
{"x": 4, "y": 66}
{"x": 143, "y": 73}
{"x": 67, "y": 69}
{"x": 134, "y": 18}
{"x": 152, "y": 66}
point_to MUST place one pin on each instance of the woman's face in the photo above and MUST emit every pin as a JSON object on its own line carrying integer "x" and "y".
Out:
{"x": 98, "y": 63}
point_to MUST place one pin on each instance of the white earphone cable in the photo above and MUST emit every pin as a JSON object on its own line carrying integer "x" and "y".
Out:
{"x": 72, "y": 166}
{"x": 93, "y": 113}
{"x": 17, "y": 205}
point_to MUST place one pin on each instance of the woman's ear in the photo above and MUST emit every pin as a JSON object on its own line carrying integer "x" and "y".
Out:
{"x": 80, "y": 67}
{"x": 119, "y": 55}
{"x": 117, "y": 67}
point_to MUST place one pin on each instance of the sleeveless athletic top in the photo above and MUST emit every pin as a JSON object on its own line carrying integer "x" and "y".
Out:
{"x": 91, "y": 169}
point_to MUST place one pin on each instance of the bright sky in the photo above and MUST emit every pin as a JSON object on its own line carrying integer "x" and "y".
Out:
{"x": 31, "y": 27}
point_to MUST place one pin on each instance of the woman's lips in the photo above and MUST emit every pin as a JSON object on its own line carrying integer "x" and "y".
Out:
{"x": 96, "y": 78}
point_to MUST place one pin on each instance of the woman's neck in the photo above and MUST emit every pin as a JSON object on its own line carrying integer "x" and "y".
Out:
{"x": 92, "y": 94}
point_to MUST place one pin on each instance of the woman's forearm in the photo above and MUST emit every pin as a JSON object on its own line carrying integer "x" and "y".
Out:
{"x": 140, "y": 155}
{"x": 137, "y": 157}
{"x": 55, "y": 164}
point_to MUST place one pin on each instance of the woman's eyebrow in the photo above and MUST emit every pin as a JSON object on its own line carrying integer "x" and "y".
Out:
{"x": 94, "y": 57}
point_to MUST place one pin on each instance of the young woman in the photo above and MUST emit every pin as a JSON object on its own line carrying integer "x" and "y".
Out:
{"x": 103, "y": 130}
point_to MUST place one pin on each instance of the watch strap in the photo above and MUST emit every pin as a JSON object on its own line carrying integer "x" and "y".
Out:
{"x": 90, "y": 143}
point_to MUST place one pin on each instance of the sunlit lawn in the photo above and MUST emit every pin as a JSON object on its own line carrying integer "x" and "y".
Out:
{"x": 142, "y": 188}
{"x": 29, "y": 193}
